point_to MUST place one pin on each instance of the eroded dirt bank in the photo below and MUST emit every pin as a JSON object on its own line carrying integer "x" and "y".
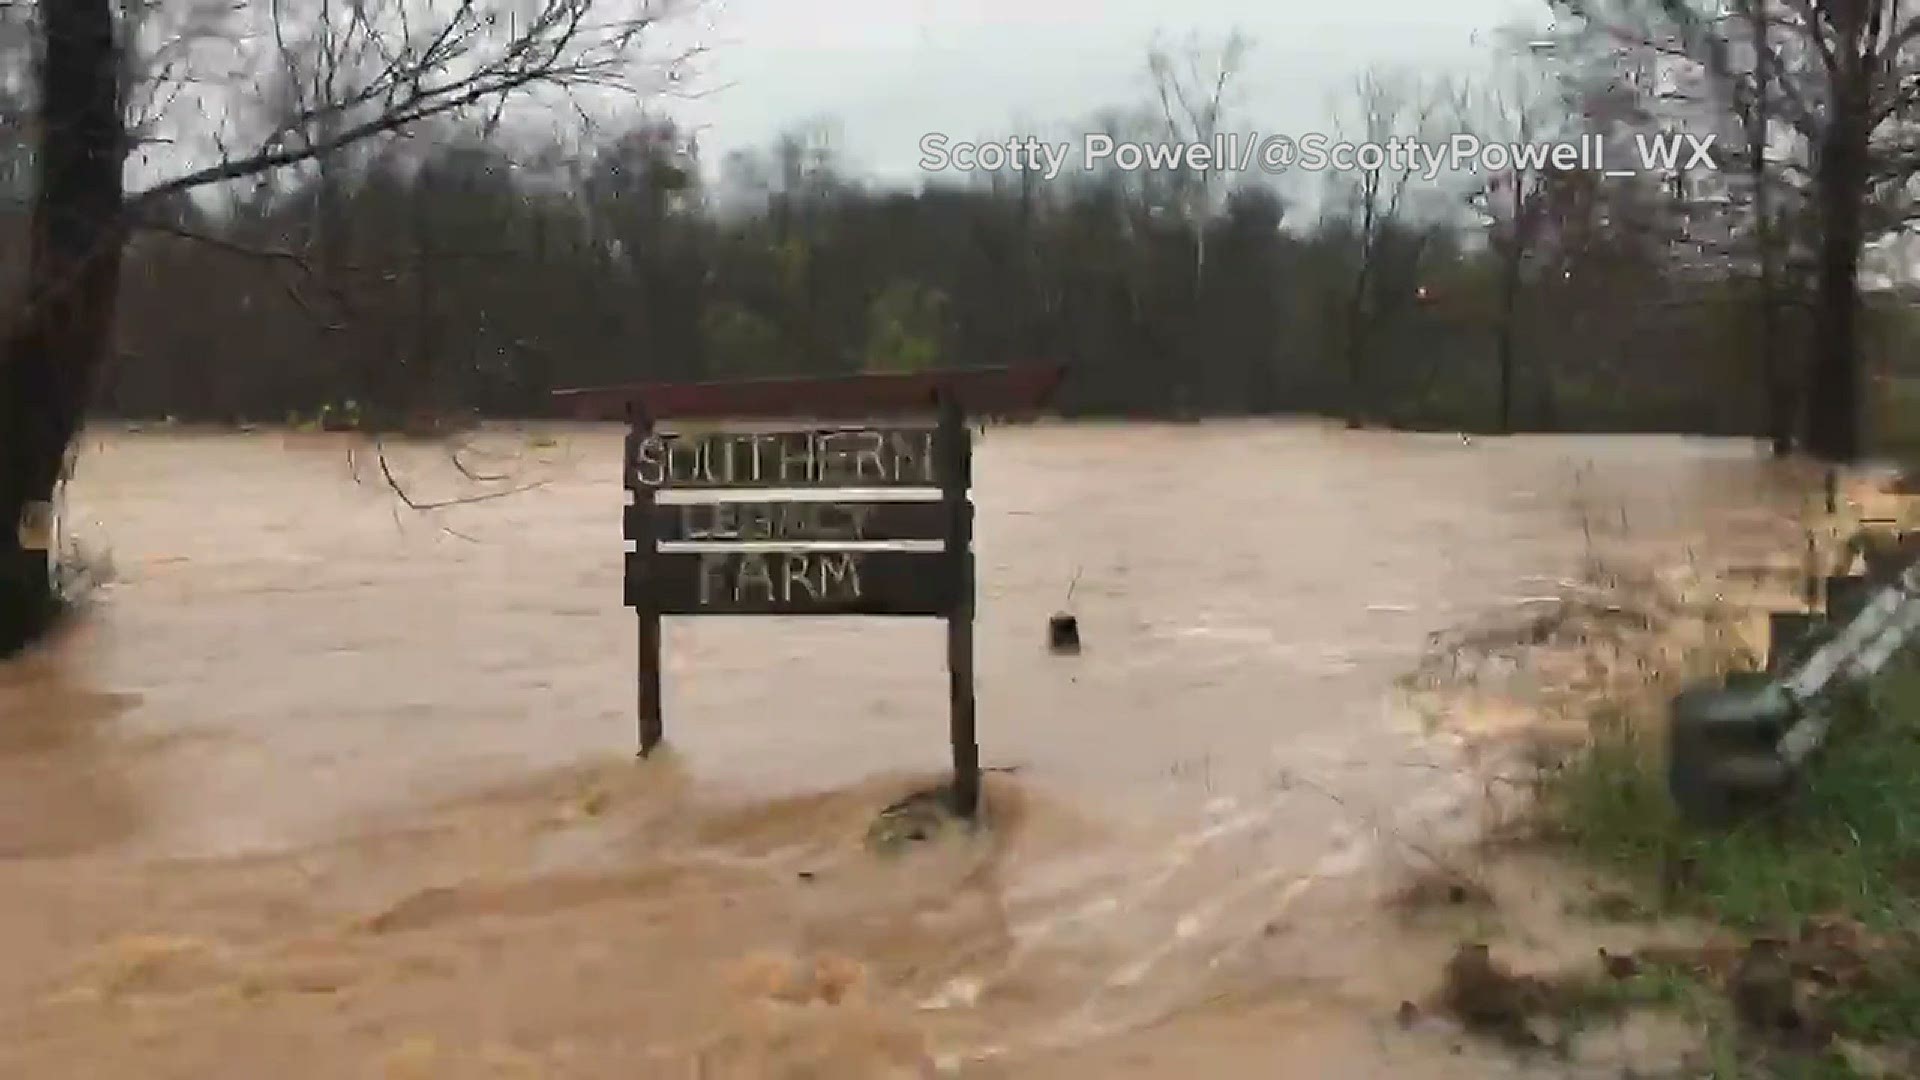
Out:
{"x": 322, "y": 786}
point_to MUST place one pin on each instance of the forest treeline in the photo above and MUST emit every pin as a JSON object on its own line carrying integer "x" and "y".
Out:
{"x": 468, "y": 269}
{"x": 472, "y": 277}
{"x": 461, "y": 271}
{"x": 477, "y": 277}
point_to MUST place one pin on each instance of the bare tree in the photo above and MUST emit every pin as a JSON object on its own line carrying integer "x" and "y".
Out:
{"x": 73, "y": 267}
{"x": 1822, "y": 89}
{"x": 1867, "y": 76}
{"x": 1388, "y": 107}
{"x": 1191, "y": 85}
{"x": 382, "y": 66}
{"x": 1516, "y": 106}
{"x": 1753, "y": 91}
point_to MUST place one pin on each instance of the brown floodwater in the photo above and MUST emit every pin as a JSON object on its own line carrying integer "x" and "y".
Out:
{"x": 322, "y": 785}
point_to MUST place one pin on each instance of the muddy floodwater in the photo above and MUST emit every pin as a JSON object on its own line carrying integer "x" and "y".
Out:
{"x": 323, "y": 785}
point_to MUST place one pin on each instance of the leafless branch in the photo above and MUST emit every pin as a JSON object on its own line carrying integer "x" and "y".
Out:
{"x": 469, "y": 473}
{"x": 282, "y": 256}
{"x": 380, "y": 454}
{"x": 365, "y": 70}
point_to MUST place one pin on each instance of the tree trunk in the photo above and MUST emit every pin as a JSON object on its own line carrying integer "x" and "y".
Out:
{"x": 1773, "y": 364}
{"x": 1356, "y": 343}
{"x": 1780, "y": 408}
{"x": 1504, "y": 344}
{"x": 419, "y": 398}
{"x": 63, "y": 326}
{"x": 1356, "y": 350}
{"x": 1779, "y": 402}
{"x": 1357, "y": 313}
{"x": 1833, "y": 397}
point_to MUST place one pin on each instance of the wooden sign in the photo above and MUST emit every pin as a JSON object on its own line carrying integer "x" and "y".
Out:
{"x": 713, "y": 552}
{"x": 824, "y": 458}
{"x": 805, "y": 580}
{"x": 823, "y": 581}
{"x": 792, "y": 520}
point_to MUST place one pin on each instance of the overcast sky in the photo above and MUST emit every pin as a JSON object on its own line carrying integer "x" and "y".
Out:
{"x": 890, "y": 71}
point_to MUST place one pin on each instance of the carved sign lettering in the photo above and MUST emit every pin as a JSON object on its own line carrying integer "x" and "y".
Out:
{"x": 847, "y": 458}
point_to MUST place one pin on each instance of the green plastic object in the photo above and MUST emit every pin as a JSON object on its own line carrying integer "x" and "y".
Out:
{"x": 1721, "y": 763}
{"x": 1791, "y": 637}
{"x": 1847, "y": 596}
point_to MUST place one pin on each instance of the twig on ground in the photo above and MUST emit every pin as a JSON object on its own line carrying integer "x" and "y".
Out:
{"x": 469, "y": 473}
{"x": 394, "y": 483}
{"x": 1291, "y": 779}
{"x": 454, "y": 456}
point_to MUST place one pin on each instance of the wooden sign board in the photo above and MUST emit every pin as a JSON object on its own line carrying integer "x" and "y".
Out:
{"x": 819, "y": 581}
{"x": 712, "y": 552}
{"x": 867, "y": 458}
{"x": 787, "y": 520}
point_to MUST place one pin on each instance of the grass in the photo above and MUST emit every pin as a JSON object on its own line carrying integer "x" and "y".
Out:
{"x": 1847, "y": 847}
{"x": 1849, "y": 842}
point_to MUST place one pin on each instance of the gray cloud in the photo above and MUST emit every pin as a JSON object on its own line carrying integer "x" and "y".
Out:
{"x": 889, "y": 71}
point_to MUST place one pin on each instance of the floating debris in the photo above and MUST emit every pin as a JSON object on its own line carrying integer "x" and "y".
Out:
{"x": 1063, "y": 634}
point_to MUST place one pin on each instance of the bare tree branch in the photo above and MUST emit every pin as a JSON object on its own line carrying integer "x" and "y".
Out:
{"x": 380, "y": 454}
{"x": 364, "y": 70}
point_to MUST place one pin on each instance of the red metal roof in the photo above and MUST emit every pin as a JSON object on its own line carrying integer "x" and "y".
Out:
{"x": 992, "y": 391}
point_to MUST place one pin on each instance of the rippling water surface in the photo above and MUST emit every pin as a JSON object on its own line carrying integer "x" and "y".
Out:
{"x": 323, "y": 784}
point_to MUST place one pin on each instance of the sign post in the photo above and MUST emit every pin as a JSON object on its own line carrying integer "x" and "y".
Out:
{"x": 818, "y": 542}
{"x": 956, "y": 444}
{"x": 639, "y": 430}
